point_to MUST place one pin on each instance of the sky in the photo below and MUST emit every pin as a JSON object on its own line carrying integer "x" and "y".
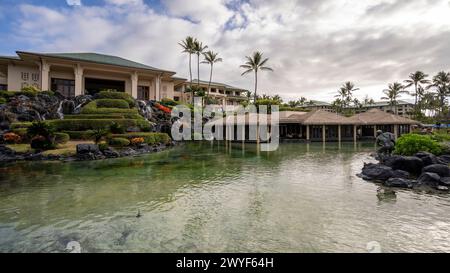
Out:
{"x": 314, "y": 46}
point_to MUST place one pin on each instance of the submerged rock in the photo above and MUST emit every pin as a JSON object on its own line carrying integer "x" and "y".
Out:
{"x": 427, "y": 158}
{"x": 87, "y": 148}
{"x": 441, "y": 170}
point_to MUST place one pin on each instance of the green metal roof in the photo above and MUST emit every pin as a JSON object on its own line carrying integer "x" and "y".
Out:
{"x": 386, "y": 103}
{"x": 219, "y": 84}
{"x": 97, "y": 58}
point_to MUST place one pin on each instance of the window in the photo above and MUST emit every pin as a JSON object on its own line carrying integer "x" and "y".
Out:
{"x": 35, "y": 77}
{"x": 25, "y": 76}
{"x": 3, "y": 87}
{"x": 176, "y": 98}
{"x": 237, "y": 93}
{"x": 64, "y": 87}
{"x": 143, "y": 93}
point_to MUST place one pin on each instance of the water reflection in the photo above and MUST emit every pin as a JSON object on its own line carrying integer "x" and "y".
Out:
{"x": 216, "y": 197}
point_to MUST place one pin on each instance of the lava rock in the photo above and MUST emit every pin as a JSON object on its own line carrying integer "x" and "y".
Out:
{"x": 128, "y": 152}
{"x": 442, "y": 188}
{"x": 445, "y": 181}
{"x": 441, "y": 170}
{"x": 111, "y": 153}
{"x": 410, "y": 164}
{"x": 376, "y": 172}
{"x": 87, "y": 148}
{"x": 400, "y": 174}
{"x": 399, "y": 183}
{"x": 445, "y": 159}
{"x": 427, "y": 158}
{"x": 429, "y": 179}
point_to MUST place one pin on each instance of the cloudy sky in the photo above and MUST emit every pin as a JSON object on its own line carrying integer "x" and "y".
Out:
{"x": 313, "y": 45}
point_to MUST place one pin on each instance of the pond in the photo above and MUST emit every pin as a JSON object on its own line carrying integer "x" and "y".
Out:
{"x": 200, "y": 197}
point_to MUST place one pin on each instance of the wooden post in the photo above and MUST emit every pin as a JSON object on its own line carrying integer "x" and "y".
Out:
{"x": 375, "y": 131}
{"x": 339, "y": 133}
{"x": 396, "y": 131}
{"x": 354, "y": 133}
{"x": 307, "y": 132}
{"x": 323, "y": 133}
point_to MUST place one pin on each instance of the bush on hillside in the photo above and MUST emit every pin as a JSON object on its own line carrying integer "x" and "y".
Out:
{"x": 149, "y": 138}
{"x": 89, "y": 116}
{"x": 61, "y": 138}
{"x": 91, "y": 108}
{"x": 79, "y": 135}
{"x": 116, "y": 128}
{"x": 112, "y": 103}
{"x": 119, "y": 142}
{"x": 169, "y": 102}
{"x": 116, "y": 95}
{"x": 2, "y": 101}
{"x": 12, "y": 138}
{"x": 89, "y": 124}
{"x": 19, "y": 125}
{"x": 411, "y": 144}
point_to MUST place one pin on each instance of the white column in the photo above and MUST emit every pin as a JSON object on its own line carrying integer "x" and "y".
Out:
{"x": 307, "y": 132}
{"x": 339, "y": 133}
{"x": 158, "y": 87}
{"x": 78, "y": 71}
{"x": 354, "y": 133}
{"x": 324, "y": 138}
{"x": 45, "y": 76}
{"x": 396, "y": 131}
{"x": 134, "y": 85}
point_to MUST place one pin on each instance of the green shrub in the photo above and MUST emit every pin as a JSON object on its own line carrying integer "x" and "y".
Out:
{"x": 91, "y": 108}
{"x": 17, "y": 125}
{"x": 89, "y": 116}
{"x": 440, "y": 135}
{"x": 149, "y": 138}
{"x": 119, "y": 142}
{"x": 98, "y": 134}
{"x": 116, "y": 128}
{"x": 22, "y": 132}
{"x": 112, "y": 103}
{"x": 169, "y": 102}
{"x": 41, "y": 128}
{"x": 80, "y": 135}
{"x": 61, "y": 138}
{"x": 103, "y": 146}
{"x": 89, "y": 124}
{"x": 2, "y": 101}
{"x": 116, "y": 95}
{"x": 411, "y": 144}
{"x": 49, "y": 93}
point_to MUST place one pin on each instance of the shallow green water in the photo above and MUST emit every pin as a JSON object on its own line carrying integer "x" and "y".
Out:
{"x": 203, "y": 198}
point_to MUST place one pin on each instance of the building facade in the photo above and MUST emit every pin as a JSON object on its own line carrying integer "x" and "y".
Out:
{"x": 74, "y": 74}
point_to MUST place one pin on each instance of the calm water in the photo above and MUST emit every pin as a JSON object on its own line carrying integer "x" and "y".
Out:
{"x": 203, "y": 198}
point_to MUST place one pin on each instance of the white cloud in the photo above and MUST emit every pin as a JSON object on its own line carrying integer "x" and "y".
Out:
{"x": 74, "y": 2}
{"x": 313, "y": 45}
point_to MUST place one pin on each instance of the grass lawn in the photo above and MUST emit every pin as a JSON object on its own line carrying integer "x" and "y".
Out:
{"x": 70, "y": 148}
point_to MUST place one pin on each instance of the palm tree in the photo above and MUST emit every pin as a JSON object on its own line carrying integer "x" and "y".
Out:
{"x": 188, "y": 47}
{"x": 441, "y": 82}
{"x": 393, "y": 93}
{"x": 368, "y": 101}
{"x": 346, "y": 93}
{"x": 416, "y": 79}
{"x": 211, "y": 58}
{"x": 254, "y": 64}
{"x": 199, "y": 48}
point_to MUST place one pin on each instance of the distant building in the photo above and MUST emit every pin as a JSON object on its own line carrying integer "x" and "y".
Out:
{"x": 318, "y": 105}
{"x": 404, "y": 108}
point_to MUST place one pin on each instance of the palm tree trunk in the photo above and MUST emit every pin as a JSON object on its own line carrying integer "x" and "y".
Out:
{"x": 190, "y": 68}
{"x": 256, "y": 85}
{"x": 198, "y": 70}
{"x": 415, "y": 103}
{"x": 210, "y": 79}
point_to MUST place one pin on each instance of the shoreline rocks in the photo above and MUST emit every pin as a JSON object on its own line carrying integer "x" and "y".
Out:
{"x": 423, "y": 170}
{"x": 85, "y": 152}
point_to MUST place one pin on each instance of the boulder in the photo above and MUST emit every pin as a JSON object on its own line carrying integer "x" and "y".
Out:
{"x": 427, "y": 158}
{"x": 87, "y": 148}
{"x": 441, "y": 170}
{"x": 411, "y": 164}
{"x": 399, "y": 183}
{"x": 400, "y": 174}
{"x": 378, "y": 172}
{"x": 442, "y": 188}
{"x": 445, "y": 159}
{"x": 429, "y": 179}
{"x": 111, "y": 153}
{"x": 445, "y": 181}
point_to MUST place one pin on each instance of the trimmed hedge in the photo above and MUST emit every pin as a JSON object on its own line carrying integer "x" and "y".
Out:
{"x": 86, "y": 116}
{"x": 112, "y": 103}
{"x": 88, "y": 124}
{"x": 150, "y": 138}
{"x": 411, "y": 144}
{"x": 116, "y": 95}
{"x": 80, "y": 135}
{"x": 18, "y": 125}
{"x": 61, "y": 138}
{"x": 91, "y": 108}
{"x": 2, "y": 100}
{"x": 119, "y": 142}
{"x": 10, "y": 94}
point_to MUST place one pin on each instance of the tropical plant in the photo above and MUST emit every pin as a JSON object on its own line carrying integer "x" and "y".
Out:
{"x": 416, "y": 79}
{"x": 98, "y": 134}
{"x": 345, "y": 93}
{"x": 12, "y": 138}
{"x": 116, "y": 128}
{"x": 441, "y": 83}
{"x": 255, "y": 63}
{"x": 368, "y": 101}
{"x": 393, "y": 92}
{"x": 211, "y": 58}
{"x": 40, "y": 128}
{"x": 188, "y": 47}
{"x": 411, "y": 144}
{"x": 198, "y": 48}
